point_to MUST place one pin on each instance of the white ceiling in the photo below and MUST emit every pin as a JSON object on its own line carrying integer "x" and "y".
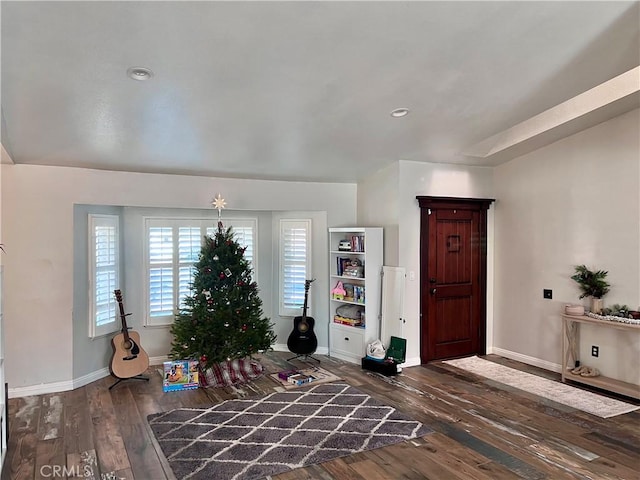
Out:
{"x": 293, "y": 90}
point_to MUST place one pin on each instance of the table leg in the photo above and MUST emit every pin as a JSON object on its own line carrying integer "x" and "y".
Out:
{"x": 570, "y": 345}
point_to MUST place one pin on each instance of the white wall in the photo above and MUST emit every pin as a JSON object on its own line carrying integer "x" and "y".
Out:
{"x": 37, "y": 226}
{"x": 390, "y": 196}
{"x": 378, "y": 207}
{"x": 576, "y": 201}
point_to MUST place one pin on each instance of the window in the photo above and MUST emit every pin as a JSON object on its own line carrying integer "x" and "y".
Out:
{"x": 104, "y": 261}
{"x": 173, "y": 249}
{"x": 295, "y": 264}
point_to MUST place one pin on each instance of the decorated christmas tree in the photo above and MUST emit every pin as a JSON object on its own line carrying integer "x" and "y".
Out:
{"x": 222, "y": 318}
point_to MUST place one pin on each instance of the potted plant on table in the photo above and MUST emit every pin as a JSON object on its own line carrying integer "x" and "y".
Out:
{"x": 592, "y": 284}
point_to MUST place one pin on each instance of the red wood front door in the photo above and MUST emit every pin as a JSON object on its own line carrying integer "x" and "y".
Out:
{"x": 453, "y": 277}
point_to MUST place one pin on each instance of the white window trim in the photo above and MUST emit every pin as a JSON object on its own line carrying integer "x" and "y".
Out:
{"x": 175, "y": 223}
{"x": 95, "y": 220}
{"x": 305, "y": 223}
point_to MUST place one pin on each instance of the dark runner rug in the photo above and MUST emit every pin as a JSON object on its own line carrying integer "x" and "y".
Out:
{"x": 252, "y": 438}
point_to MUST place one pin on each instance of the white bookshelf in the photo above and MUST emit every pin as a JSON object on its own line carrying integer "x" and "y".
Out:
{"x": 348, "y": 342}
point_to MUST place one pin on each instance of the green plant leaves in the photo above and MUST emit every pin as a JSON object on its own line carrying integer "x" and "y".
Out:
{"x": 591, "y": 283}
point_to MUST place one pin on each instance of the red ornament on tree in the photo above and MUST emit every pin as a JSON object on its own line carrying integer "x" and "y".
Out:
{"x": 203, "y": 358}
{"x": 244, "y": 327}
{"x": 221, "y": 275}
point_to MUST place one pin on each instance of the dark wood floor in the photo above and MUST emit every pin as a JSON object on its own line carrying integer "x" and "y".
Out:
{"x": 481, "y": 430}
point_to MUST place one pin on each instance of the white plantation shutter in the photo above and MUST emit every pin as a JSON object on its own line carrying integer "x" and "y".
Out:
{"x": 295, "y": 264}
{"x": 161, "y": 282}
{"x": 173, "y": 248}
{"x": 189, "y": 243}
{"x": 103, "y": 262}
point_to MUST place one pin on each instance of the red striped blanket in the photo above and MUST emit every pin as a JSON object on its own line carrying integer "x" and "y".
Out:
{"x": 232, "y": 372}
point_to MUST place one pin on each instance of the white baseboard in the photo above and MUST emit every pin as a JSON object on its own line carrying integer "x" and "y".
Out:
{"x": 90, "y": 377}
{"x": 536, "y": 362}
{"x": 412, "y": 362}
{"x": 56, "y": 387}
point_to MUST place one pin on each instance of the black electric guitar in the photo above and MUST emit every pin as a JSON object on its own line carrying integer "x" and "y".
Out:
{"x": 129, "y": 358}
{"x": 302, "y": 340}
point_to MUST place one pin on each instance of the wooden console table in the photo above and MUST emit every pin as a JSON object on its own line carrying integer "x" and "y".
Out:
{"x": 570, "y": 345}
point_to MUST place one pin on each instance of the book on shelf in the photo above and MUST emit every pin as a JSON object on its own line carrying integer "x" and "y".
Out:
{"x": 343, "y": 263}
{"x": 354, "y": 243}
{"x": 358, "y": 293}
{"x": 357, "y": 243}
{"x": 354, "y": 293}
{"x": 353, "y": 322}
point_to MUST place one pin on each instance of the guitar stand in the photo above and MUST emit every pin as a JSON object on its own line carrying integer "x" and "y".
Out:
{"x": 137, "y": 377}
{"x": 304, "y": 357}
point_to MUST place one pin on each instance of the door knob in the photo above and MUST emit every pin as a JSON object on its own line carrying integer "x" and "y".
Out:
{"x": 433, "y": 291}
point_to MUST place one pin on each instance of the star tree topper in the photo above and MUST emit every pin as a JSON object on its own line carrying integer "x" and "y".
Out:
{"x": 218, "y": 203}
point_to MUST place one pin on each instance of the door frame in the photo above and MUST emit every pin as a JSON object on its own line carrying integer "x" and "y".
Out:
{"x": 427, "y": 204}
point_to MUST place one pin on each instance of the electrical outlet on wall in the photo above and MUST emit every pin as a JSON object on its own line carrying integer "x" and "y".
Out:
{"x": 595, "y": 350}
{"x": 547, "y": 293}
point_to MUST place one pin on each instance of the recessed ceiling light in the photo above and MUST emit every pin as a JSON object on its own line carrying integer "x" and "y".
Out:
{"x": 139, "y": 73}
{"x": 399, "y": 112}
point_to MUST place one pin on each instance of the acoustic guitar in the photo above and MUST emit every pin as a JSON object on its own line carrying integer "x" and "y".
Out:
{"x": 129, "y": 358}
{"x": 302, "y": 340}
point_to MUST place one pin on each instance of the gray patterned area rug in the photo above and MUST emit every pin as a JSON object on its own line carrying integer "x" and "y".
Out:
{"x": 253, "y": 438}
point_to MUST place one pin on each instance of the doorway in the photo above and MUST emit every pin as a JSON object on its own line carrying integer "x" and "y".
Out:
{"x": 453, "y": 277}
